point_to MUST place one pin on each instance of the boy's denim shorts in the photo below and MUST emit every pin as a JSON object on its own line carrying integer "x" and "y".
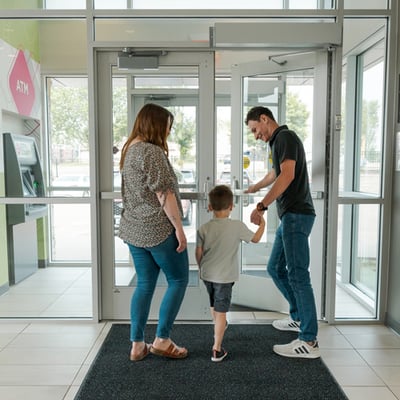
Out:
{"x": 220, "y": 295}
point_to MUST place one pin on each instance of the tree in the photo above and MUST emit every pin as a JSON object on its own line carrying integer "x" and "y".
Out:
{"x": 184, "y": 131}
{"x": 120, "y": 115}
{"x": 297, "y": 115}
{"x": 369, "y": 133}
{"x": 69, "y": 116}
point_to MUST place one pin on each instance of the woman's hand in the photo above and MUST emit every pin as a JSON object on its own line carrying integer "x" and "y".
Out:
{"x": 180, "y": 235}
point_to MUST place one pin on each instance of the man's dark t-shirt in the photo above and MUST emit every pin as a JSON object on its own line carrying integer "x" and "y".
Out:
{"x": 286, "y": 145}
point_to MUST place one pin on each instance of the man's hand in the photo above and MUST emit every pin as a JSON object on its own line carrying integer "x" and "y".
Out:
{"x": 251, "y": 189}
{"x": 256, "y": 217}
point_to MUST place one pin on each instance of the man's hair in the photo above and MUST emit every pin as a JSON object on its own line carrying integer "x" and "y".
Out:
{"x": 255, "y": 113}
{"x": 221, "y": 197}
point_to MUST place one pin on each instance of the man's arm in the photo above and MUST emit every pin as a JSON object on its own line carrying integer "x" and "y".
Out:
{"x": 264, "y": 182}
{"x": 281, "y": 183}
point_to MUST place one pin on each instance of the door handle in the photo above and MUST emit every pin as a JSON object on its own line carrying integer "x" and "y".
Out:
{"x": 317, "y": 195}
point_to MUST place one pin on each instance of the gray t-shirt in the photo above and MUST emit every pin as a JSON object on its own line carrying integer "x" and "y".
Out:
{"x": 146, "y": 171}
{"x": 220, "y": 239}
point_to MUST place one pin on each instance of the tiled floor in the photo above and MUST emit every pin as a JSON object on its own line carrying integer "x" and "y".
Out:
{"x": 48, "y": 360}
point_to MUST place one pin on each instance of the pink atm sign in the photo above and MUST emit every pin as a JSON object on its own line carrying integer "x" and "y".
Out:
{"x": 21, "y": 85}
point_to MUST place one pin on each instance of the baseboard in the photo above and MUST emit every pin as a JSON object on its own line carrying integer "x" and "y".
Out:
{"x": 4, "y": 288}
{"x": 392, "y": 323}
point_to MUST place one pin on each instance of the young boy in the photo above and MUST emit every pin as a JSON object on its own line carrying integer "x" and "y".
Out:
{"x": 217, "y": 248}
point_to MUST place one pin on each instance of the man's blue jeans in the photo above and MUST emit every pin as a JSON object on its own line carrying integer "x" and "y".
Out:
{"x": 288, "y": 266}
{"x": 148, "y": 263}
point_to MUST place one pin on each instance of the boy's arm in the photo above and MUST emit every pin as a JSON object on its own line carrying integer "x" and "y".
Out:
{"x": 258, "y": 235}
{"x": 199, "y": 255}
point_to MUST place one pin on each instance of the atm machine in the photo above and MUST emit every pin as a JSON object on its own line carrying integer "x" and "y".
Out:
{"x": 23, "y": 177}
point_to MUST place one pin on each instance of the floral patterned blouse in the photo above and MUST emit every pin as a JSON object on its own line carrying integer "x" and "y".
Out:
{"x": 146, "y": 171}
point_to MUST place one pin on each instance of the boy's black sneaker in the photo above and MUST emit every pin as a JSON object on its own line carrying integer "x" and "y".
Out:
{"x": 218, "y": 356}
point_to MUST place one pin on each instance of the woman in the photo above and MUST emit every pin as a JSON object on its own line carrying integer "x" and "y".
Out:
{"x": 151, "y": 225}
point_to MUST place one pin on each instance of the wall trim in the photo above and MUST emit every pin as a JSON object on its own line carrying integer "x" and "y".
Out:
{"x": 4, "y": 288}
{"x": 392, "y": 323}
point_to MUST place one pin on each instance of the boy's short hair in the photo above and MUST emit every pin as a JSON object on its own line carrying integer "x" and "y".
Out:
{"x": 221, "y": 197}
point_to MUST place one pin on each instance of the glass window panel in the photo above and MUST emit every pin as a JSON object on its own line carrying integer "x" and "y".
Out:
{"x": 363, "y": 89}
{"x": 290, "y": 97}
{"x": 186, "y": 30}
{"x": 64, "y": 4}
{"x": 366, "y": 4}
{"x": 63, "y": 45}
{"x": 68, "y": 136}
{"x": 216, "y": 4}
{"x": 223, "y": 145}
{"x": 357, "y": 266}
{"x": 370, "y": 139}
{"x": 366, "y": 242}
{"x": 171, "y": 82}
{"x": 179, "y": 94}
{"x": 70, "y": 233}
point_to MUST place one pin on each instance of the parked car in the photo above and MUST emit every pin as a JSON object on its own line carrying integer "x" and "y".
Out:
{"x": 188, "y": 176}
{"x": 225, "y": 178}
{"x": 71, "y": 185}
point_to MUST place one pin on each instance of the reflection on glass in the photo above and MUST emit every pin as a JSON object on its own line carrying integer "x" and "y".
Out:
{"x": 357, "y": 261}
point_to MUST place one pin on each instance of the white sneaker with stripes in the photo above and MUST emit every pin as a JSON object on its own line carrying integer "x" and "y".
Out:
{"x": 286, "y": 324}
{"x": 298, "y": 349}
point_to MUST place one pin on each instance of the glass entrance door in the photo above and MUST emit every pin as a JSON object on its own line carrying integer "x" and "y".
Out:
{"x": 174, "y": 84}
{"x": 288, "y": 86}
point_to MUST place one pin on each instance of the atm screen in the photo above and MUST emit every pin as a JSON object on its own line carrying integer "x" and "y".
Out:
{"x": 25, "y": 149}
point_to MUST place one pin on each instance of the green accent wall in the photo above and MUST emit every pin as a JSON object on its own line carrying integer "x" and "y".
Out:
{"x": 21, "y": 34}
{"x": 21, "y": 4}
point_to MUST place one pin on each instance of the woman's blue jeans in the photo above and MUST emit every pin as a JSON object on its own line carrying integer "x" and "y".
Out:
{"x": 288, "y": 266}
{"x": 148, "y": 263}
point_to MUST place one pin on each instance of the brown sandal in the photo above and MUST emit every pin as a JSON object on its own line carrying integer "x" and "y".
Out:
{"x": 173, "y": 351}
{"x": 143, "y": 354}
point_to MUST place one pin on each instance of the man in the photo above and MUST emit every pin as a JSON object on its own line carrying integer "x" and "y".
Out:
{"x": 290, "y": 256}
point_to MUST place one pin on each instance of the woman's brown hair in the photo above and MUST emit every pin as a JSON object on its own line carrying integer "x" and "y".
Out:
{"x": 151, "y": 126}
